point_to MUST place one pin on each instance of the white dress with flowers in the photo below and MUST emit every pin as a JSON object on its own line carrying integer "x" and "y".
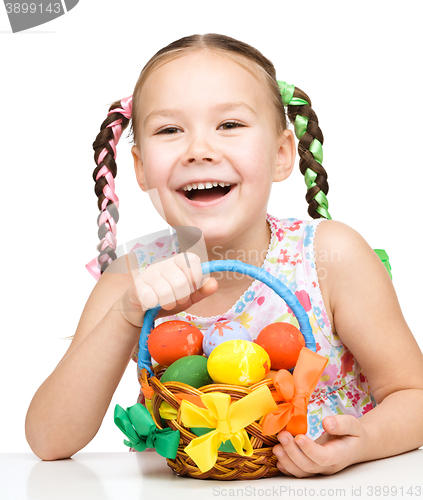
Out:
{"x": 343, "y": 389}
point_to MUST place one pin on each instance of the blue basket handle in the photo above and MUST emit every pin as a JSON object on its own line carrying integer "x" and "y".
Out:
{"x": 144, "y": 358}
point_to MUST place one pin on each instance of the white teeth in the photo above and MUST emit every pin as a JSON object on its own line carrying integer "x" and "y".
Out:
{"x": 208, "y": 185}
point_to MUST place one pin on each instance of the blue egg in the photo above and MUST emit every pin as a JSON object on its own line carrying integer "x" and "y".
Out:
{"x": 221, "y": 331}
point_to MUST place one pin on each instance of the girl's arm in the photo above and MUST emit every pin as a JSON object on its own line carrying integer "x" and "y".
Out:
{"x": 368, "y": 319}
{"x": 68, "y": 408}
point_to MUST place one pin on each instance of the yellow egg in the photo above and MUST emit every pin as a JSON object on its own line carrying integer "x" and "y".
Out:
{"x": 238, "y": 362}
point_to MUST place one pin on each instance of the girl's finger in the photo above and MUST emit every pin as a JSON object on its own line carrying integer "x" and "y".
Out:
{"x": 282, "y": 469}
{"x": 286, "y": 465}
{"x": 190, "y": 265}
{"x": 140, "y": 295}
{"x": 178, "y": 282}
{"x": 320, "y": 456}
{"x": 209, "y": 287}
{"x": 342, "y": 425}
{"x": 299, "y": 459}
{"x": 160, "y": 291}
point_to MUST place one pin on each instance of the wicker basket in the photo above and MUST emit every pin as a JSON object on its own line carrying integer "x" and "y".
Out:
{"x": 262, "y": 463}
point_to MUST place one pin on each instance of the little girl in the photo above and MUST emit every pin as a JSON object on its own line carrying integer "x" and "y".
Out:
{"x": 210, "y": 135}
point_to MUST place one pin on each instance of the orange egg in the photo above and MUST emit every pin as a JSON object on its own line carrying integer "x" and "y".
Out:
{"x": 283, "y": 343}
{"x": 173, "y": 340}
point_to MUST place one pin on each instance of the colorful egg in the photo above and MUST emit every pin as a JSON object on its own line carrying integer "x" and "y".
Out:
{"x": 238, "y": 362}
{"x": 173, "y": 340}
{"x": 283, "y": 342}
{"x": 191, "y": 370}
{"x": 222, "y": 331}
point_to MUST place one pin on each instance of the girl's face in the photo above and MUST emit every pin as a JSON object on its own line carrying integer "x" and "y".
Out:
{"x": 203, "y": 117}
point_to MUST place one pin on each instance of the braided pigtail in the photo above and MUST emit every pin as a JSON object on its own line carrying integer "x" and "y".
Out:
{"x": 310, "y": 148}
{"x": 108, "y": 203}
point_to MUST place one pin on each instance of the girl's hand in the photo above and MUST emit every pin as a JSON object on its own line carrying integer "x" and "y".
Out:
{"x": 333, "y": 451}
{"x": 175, "y": 284}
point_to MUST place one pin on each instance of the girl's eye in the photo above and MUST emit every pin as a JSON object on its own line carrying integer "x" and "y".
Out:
{"x": 226, "y": 126}
{"x": 169, "y": 130}
{"x": 231, "y": 125}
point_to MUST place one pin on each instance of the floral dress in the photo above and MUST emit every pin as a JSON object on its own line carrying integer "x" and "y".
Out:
{"x": 343, "y": 388}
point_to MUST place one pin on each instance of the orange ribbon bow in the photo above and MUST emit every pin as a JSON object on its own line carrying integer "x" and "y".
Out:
{"x": 295, "y": 390}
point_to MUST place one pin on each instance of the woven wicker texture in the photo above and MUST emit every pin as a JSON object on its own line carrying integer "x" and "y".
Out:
{"x": 229, "y": 465}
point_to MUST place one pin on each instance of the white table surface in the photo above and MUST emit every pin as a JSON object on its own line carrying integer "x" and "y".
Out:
{"x": 109, "y": 476}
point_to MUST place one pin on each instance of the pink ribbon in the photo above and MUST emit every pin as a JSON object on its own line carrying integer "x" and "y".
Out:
{"x": 93, "y": 269}
{"x": 109, "y": 190}
{"x": 126, "y": 109}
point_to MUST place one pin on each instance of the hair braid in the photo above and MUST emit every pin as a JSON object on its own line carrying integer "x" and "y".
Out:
{"x": 105, "y": 155}
{"x": 310, "y": 149}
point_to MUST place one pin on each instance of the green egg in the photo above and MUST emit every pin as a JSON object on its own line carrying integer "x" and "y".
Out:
{"x": 190, "y": 370}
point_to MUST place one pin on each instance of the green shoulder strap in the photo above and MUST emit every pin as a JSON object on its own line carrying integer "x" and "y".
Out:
{"x": 383, "y": 256}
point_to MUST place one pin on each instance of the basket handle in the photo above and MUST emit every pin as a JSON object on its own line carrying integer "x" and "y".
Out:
{"x": 144, "y": 358}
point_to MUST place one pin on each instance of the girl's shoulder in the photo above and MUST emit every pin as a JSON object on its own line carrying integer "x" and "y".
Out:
{"x": 339, "y": 245}
{"x": 341, "y": 252}
{"x": 350, "y": 273}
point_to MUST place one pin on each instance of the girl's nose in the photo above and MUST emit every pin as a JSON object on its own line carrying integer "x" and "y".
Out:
{"x": 200, "y": 151}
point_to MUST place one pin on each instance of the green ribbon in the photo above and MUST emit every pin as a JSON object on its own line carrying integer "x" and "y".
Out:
{"x": 138, "y": 426}
{"x": 300, "y": 124}
{"x": 310, "y": 177}
{"x": 287, "y": 92}
{"x": 316, "y": 149}
{"x": 383, "y": 256}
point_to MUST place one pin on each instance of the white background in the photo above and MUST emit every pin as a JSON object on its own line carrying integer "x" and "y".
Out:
{"x": 360, "y": 64}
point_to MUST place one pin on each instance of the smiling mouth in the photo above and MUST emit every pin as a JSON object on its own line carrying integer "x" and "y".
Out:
{"x": 207, "y": 194}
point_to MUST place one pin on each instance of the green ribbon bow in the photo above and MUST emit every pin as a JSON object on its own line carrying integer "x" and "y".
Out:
{"x": 138, "y": 426}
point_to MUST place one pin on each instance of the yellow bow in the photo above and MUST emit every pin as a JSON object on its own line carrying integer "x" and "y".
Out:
{"x": 228, "y": 420}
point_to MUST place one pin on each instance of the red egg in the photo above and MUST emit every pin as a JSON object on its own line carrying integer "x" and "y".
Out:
{"x": 173, "y": 340}
{"x": 283, "y": 343}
